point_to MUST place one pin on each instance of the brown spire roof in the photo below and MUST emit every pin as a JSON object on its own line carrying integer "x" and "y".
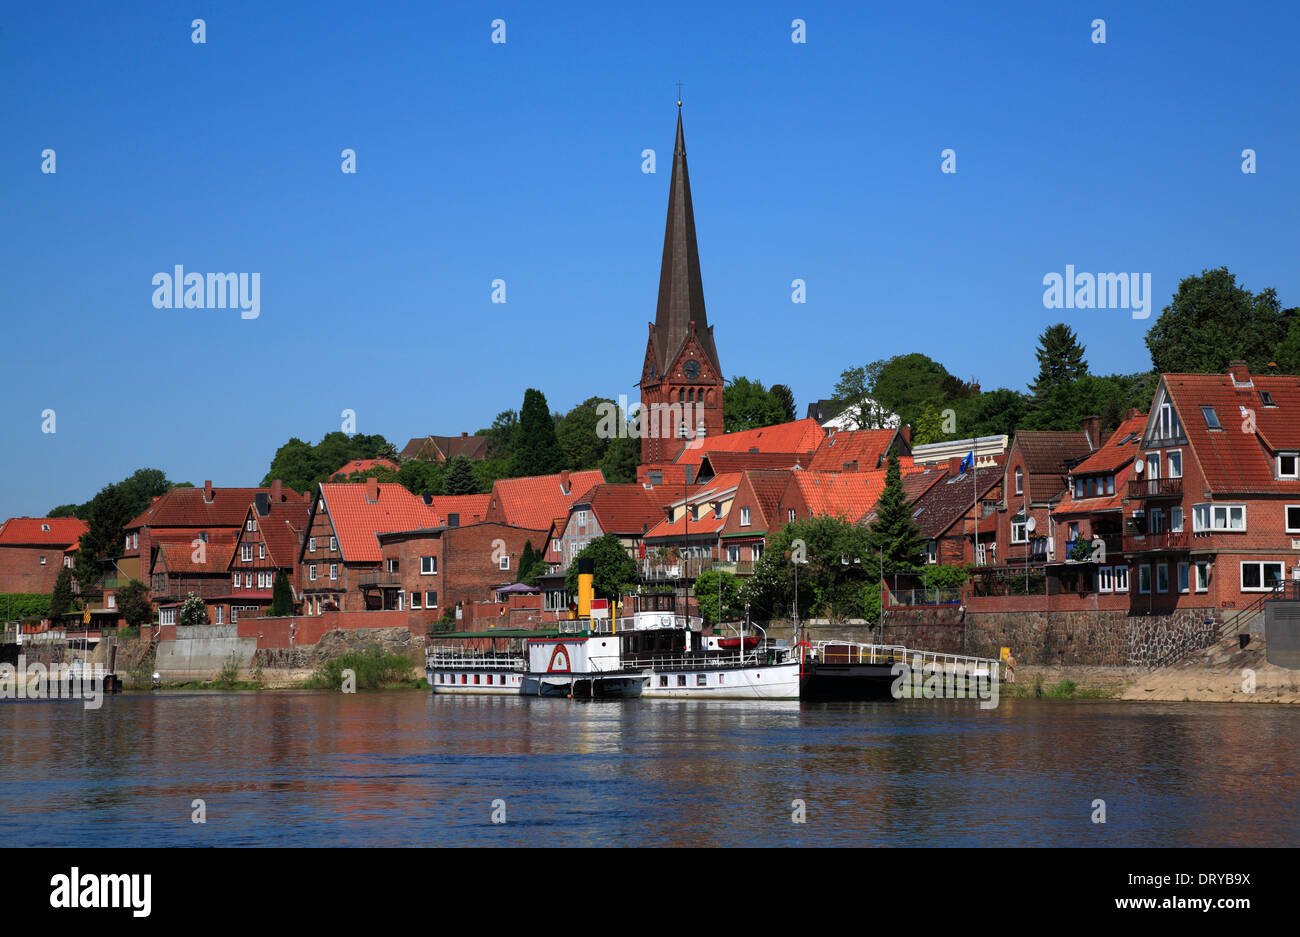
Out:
{"x": 681, "y": 290}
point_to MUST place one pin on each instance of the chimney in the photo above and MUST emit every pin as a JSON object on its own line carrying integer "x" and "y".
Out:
{"x": 372, "y": 489}
{"x": 276, "y": 496}
{"x": 954, "y": 466}
{"x": 207, "y": 491}
{"x": 1240, "y": 372}
{"x": 464, "y": 435}
{"x": 564, "y": 481}
{"x": 906, "y": 432}
{"x": 851, "y": 466}
{"x": 1132, "y": 412}
{"x": 262, "y": 504}
{"x": 1092, "y": 428}
{"x": 453, "y": 520}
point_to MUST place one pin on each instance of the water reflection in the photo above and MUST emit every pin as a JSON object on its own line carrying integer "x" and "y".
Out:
{"x": 303, "y": 768}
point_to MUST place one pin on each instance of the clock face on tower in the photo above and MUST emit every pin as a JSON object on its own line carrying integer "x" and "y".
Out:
{"x": 692, "y": 369}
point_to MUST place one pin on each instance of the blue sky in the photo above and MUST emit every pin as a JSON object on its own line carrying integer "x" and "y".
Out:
{"x": 522, "y": 161}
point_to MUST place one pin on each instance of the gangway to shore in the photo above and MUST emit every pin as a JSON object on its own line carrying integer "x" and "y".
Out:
{"x": 851, "y": 670}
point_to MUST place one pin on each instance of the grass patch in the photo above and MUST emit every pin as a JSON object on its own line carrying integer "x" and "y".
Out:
{"x": 1066, "y": 689}
{"x": 372, "y": 669}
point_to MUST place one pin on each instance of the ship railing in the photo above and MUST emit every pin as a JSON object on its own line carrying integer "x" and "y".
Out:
{"x": 707, "y": 662}
{"x": 954, "y": 663}
{"x": 451, "y": 658}
{"x": 843, "y": 652}
{"x": 620, "y": 625}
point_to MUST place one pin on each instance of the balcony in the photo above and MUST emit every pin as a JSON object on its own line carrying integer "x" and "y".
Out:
{"x": 673, "y": 570}
{"x": 1155, "y": 488}
{"x": 1146, "y": 543}
{"x": 383, "y": 579}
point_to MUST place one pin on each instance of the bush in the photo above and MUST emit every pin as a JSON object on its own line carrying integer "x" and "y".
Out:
{"x": 374, "y": 668}
{"x": 229, "y": 674}
{"x": 24, "y": 605}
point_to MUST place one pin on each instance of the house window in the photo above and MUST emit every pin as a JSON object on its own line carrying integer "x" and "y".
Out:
{"x": 110, "y": 601}
{"x": 1105, "y": 579}
{"x": 428, "y": 566}
{"x": 1019, "y": 532}
{"x": 1162, "y": 577}
{"x": 246, "y": 553}
{"x": 792, "y": 515}
{"x": 236, "y": 581}
{"x": 1208, "y": 517}
{"x": 311, "y": 545}
{"x": 1169, "y": 427}
{"x": 261, "y": 551}
{"x": 334, "y": 571}
{"x": 932, "y": 552}
{"x": 1288, "y": 465}
{"x": 311, "y": 572}
{"x": 1260, "y": 577}
{"x": 1293, "y": 518}
{"x": 1144, "y": 580}
{"x": 42, "y": 561}
{"x": 1110, "y": 484}
{"x": 1078, "y": 487}
{"x": 1020, "y": 481}
{"x": 744, "y": 517}
{"x": 251, "y": 525}
{"x": 334, "y": 544}
{"x": 167, "y": 616}
{"x": 391, "y": 565}
{"x": 1176, "y": 520}
{"x": 1121, "y": 578}
{"x": 505, "y": 562}
{"x": 1182, "y": 578}
{"x": 1202, "y": 576}
{"x": 1153, "y": 465}
{"x": 415, "y": 600}
{"x": 1174, "y": 464}
{"x": 430, "y": 599}
{"x": 220, "y": 612}
{"x": 733, "y": 554}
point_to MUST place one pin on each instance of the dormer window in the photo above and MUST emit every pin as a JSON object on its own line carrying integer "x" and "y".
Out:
{"x": 1266, "y": 399}
{"x": 1020, "y": 480}
{"x": 1288, "y": 465}
{"x": 1169, "y": 426}
{"x": 45, "y": 527}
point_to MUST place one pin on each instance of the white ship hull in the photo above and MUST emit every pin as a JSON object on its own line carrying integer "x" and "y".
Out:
{"x": 772, "y": 681}
{"x": 454, "y": 682}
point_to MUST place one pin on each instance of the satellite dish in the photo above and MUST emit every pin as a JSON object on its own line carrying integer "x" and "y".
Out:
{"x": 1138, "y": 466}
{"x": 1031, "y": 525}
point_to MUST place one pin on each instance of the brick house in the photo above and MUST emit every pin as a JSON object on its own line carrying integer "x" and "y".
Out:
{"x": 181, "y": 567}
{"x": 1038, "y": 466}
{"x": 1212, "y": 520}
{"x": 436, "y": 569}
{"x": 268, "y": 543}
{"x": 861, "y": 450}
{"x": 536, "y": 500}
{"x": 689, "y": 528}
{"x": 32, "y": 551}
{"x": 445, "y": 448}
{"x": 753, "y": 513}
{"x": 948, "y": 510}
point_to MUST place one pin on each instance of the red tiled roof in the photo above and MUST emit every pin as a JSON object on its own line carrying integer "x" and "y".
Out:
{"x": 470, "y": 508}
{"x": 533, "y": 502}
{"x": 1112, "y": 454}
{"x": 630, "y": 509}
{"x": 29, "y": 531}
{"x": 951, "y": 497}
{"x": 357, "y": 521}
{"x": 363, "y": 465}
{"x": 185, "y": 507}
{"x": 800, "y": 436}
{"x": 472, "y": 447}
{"x": 709, "y": 523}
{"x": 850, "y": 495}
{"x": 1045, "y": 455}
{"x": 867, "y": 447}
{"x": 283, "y": 529}
{"x": 177, "y": 557}
{"x": 768, "y": 486}
{"x": 725, "y": 462}
{"x": 1233, "y": 460}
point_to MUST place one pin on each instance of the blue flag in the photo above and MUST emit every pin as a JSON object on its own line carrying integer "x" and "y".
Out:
{"x": 968, "y": 462}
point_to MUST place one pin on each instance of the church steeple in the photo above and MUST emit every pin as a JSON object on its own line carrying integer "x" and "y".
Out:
{"x": 681, "y": 289}
{"x": 681, "y": 379}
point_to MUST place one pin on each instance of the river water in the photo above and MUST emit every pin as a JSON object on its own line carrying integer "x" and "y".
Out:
{"x": 293, "y": 768}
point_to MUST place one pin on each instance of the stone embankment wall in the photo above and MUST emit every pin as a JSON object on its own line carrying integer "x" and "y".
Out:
{"x": 306, "y": 657}
{"x": 1105, "y": 638}
{"x": 200, "y": 652}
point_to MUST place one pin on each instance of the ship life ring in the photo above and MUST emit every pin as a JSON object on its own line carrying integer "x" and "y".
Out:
{"x": 559, "y": 660}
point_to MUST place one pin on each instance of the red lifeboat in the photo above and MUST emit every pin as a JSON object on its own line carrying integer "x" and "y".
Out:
{"x": 730, "y": 644}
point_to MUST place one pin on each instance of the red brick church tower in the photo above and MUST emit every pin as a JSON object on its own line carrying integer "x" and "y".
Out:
{"x": 681, "y": 381}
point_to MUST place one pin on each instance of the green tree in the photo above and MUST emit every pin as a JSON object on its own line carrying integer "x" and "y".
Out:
{"x": 1287, "y": 355}
{"x": 577, "y": 432}
{"x": 907, "y": 384}
{"x": 531, "y": 565}
{"x": 64, "y": 510}
{"x": 1211, "y": 321}
{"x": 836, "y": 562}
{"x": 1060, "y": 361}
{"x": 893, "y": 531}
{"x": 501, "y": 435}
{"x": 106, "y": 521}
{"x": 747, "y": 404}
{"x": 193, "y": 611}
{"x": 460, "y": 479}
{"x": 133, "y": 602}
{"x": 281, "y": 596}
{"x": 621, "y": 460}
{"x": 992, "y": 413}
{"x": 784, "y": 398}
{"x": 929, "y": 427}
{"x": 537, "y": 450}
{"x": 61, "y": 597}
{"x": 707, "y": 589}
{"x": 853, "y": 396}
{"x": 420, "y": 477}
{"x": 613, "y": 568}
